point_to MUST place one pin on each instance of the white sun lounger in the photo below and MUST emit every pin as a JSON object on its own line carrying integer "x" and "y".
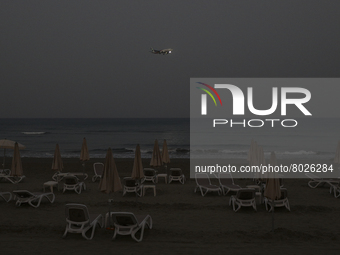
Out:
{"x": 131, "y": 185}
{"x": 150, "y": 175}
{"x": 204, "y": 185}
{"x": 12, "y": 179}
{"x": 227, "y": 183}
{"x": 32, "y": 198}
{"x": 78, "y": 220}
{"x": 176, "y": 175}
{"x": 243, "y": 197}
{"x": 73, "y": 183}
{"x": 126, "y": 223}
{"x": 98, "y": 169}
{"x": 316, "y": 181}
{"x": 58, "y": 176}
{"x": 282, "y": 201}
{"x": 7, "y": 196}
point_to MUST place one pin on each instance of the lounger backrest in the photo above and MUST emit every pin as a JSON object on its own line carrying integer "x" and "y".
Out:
{"x": 245, "y": 194}
{"x": 202, "y": 179}
{"x": 71, "y": 180}
{"x": 176, "y": 172}
{"x": 23, "y": 193}
{"x": 226, "y": 179}
{"x": 284, "y": 194}
{"x": 130, "y": 182}
{"x": 124, "y": 219}
{"x": 149, "y": 172}
{"x": 98, "y": 168}
{"x": 77, "y": 212}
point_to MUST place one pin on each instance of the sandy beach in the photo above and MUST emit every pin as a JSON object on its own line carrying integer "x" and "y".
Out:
{"x": 184, "y": 222}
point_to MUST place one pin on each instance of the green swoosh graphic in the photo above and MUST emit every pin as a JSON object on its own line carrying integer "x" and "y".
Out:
{"x": 208, "y": 94}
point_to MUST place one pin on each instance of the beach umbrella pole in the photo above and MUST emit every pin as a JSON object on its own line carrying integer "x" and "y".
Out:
{"x": 3, "y": 162}
{"x": 83, "y": 170}
{"x": 109, "y": 221}
{"x": 272, "y": 216}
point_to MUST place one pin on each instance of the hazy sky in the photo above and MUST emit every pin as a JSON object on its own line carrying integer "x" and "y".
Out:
{"x": 91, "y": 58}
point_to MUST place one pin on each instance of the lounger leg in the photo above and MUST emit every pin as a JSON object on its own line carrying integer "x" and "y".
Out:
{"x": 238, "y": 206}
{"x": 141, "y": 229}
{"x": 114, "y": 233}
{"x": 336, "y": 195}
{"x": 4, "y": 196}
{"x": 313, "y": 184}
{"x": 66, "y": 230}
{"x": 287, "y": 205}
{"x": 97, "y": 221}
{"x": 31, "y": 202}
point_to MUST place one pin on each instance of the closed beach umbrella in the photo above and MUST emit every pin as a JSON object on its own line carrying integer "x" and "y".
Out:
{"x": 253, "y": 157}
{"x": 337, "y": 154}
{"x": 57, "y": 163}
{"x": 156, "y": 159}
{"x": 110, "y": 181}
{"x": 261, "y": 161}
{"x": 8, "y": 144}
{"x": 272, "y": 163}
{"x": 272, "y": 191}
{"x": 165, "y": 153}
{"x": 16, "y": 169}
{"x": 137, "y": 171}
{"x": 84, "y": 154}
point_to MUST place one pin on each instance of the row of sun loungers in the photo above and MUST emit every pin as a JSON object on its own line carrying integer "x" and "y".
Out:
{"x": 149, "y": 173}
{"x": 24, "y": 196}
{"x": 315, "y": 181}
{"x": 12, "y": 179}
{"x": 78, "y": 220}
{"x": 245, "y": 197}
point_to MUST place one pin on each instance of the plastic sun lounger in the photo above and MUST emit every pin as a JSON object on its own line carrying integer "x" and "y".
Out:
{"x": 282, "y": 201}
{"x": 150, "y": 175}
{"x": 316, "y": 181}
{"x": 5, "y": 171}
{"x": 227, "y": 183}
{"x": 7, "y": 196}
{"x": 131, "y": 185}
{"x": 12, "y": 179}
{"x": 126, "y": 223}
{"x": 244, "y": 197}
{"x": 98, "y": 169}
{"x": 176, "y": 175}
{"x": 335, "y": 187}
{"x": 58, "y": 176}
{"x": 32, "y": 198}
{"x": 73, "y": 183}
{"x": 78, "y": 220}
{"x": 204, "y": 184}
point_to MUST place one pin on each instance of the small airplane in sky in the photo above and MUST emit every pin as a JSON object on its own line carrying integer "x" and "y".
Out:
{"x": 164, "y": 51}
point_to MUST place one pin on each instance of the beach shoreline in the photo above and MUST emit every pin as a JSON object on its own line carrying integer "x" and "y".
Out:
{"x": 183, "y": 221}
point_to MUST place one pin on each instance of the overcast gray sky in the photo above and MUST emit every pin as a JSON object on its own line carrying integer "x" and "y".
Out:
{"x": 91, "y": 58}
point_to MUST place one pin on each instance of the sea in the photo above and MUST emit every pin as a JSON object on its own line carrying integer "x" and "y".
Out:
{"x": 311, "y": 139}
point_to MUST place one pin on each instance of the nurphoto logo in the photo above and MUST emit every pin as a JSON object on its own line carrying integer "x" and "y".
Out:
{"x": 238, "y": 104}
